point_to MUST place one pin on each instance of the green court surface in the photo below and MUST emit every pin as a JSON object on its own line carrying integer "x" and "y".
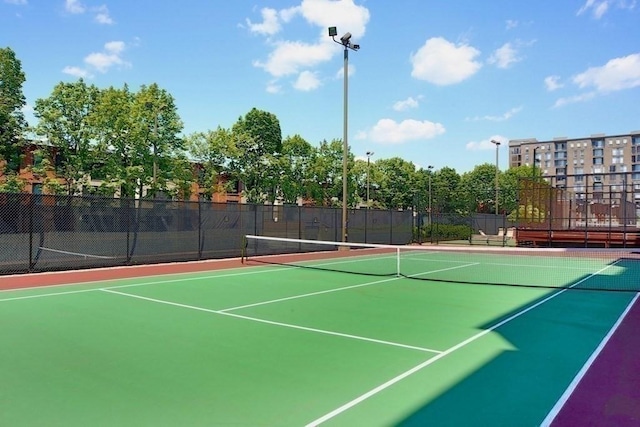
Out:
{"x": 287, "y": 346}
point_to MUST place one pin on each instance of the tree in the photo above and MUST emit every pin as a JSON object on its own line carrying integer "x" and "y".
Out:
{"x": 399, "y": 184}
{"x": 510, "y": 182}
{"x": 295, "y": 168}
{"x": 478, "y": 189}
{"x": 258, "y": 139}
{"x": 137, "y": 141}
{"x": 325, "y": 173}
{"x": 445, "y": 191}
{"x": 213, "y": 150}
{"x": 63, "y": 120}
{"x": 12, "y": 100}
{"x": 118, "y": 153}
{"x": 155, "y": 128}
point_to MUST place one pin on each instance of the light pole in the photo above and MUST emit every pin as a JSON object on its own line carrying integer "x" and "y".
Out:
{"x": 156, "y": 112}
{"x": 369, "y": 154}
{"x": 346, "y": 42}
{"x": 429, "y": 168}
{"x": 497, "y": 144}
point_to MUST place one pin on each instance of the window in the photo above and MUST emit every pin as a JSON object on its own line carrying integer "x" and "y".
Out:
{"x": 597, "y": 143}
{"x": 597, "y": 161}
{"x": 598, "y": 152}
{"x": 612, "y": 168}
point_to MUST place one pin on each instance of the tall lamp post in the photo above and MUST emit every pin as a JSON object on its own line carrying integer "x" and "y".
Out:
{"x": 429, "y": 168}
{"x": 497, "y": 144}
{"x": 346, "y": 42}
{"x": 369, "y": 154}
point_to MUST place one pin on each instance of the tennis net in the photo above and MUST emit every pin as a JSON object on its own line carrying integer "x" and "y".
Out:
{"x": 557, "y": 268}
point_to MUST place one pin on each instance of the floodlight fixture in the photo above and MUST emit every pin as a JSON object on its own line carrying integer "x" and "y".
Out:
{"x": 333, "y": 31}
{"x": 345, "y": 39}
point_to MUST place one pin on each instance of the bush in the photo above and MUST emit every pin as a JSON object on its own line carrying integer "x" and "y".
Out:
{"x": 437, "y": 232}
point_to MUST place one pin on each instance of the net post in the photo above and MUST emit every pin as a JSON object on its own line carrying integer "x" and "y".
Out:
{"x": 243, "y": 249}
{"x": 398, "y": 262}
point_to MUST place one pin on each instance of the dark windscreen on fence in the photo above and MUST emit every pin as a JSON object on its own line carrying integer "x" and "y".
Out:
{"x": 48, "y": 232}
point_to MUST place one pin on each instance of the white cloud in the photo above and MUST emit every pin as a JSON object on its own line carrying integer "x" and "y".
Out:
{"x": 344, "y": 14}
{"x": 574, "y": 99}
{"x": 512, "y": 24}
{"x": 388, "y": 131}
{"x": 504, "y": 56}
{"x": 270, "y": 24}
{"x": 617, "y": 74}
{"x": 288, "y": 57}
{"x": 486, "y": 144}
{"x": 102, "y": 15}
{"x": 76, "y": 72}
{"x": 274, "y": 88}
{"x": 74, "y": 7}
{"x": 291, "y": 57}
{"x": 441, "y": 62}
{"x": 307, "y": 81}
{"x": 506, "y": 116}
{"x": 553, "y": 83}
{"x": 599, "y": 8}
{"x": 406, "y": 104}
{"x": 100, "y": 61}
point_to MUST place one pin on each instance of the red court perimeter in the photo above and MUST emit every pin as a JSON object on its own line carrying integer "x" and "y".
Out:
{"x": 607, "y": 394}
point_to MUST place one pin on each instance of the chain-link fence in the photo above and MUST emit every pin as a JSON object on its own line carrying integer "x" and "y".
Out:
{"x": 580, "y": 210}
{"x": 46, "y": 232}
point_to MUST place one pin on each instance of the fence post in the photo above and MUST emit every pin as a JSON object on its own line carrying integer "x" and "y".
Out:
{"x": 30, "y": 267}
{"x": 200, "y": 227}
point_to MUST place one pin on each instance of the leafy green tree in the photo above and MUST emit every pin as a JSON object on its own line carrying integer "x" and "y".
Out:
{"x": 510, "y": 182}
{"x": 399, "y": 185}
{"x": 154, "y": 129}
{"x": 137, "y": 140}
{"x": 477, "y": 189}
{"x": 445, "y": 191}
{"x": 295, "y": 167}
{"x": 118, "y": 153}
{"x": 326, "y": 173}
{"x": 213, "y": 150}
{"x": 63, "y": 120}
{"x": 12, "y": 100}
{"x": 258, "y": 140}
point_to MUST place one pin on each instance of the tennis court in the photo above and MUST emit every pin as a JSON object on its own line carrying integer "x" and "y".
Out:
{"x": 270, "y": 344}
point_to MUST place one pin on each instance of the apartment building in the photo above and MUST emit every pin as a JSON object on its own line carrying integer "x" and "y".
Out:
{"x": 597, "y": 168}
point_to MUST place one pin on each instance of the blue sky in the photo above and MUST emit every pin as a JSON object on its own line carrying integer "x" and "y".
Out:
{"x": 434, "y": 81}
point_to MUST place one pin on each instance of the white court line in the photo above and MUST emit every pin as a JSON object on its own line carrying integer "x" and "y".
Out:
{"x": 501, "y": 264}
{"x": 574, "y": 384}
{"x": 326, "y": 291}
{"x": 131, "y": 285}
{"x": 339, "y": 289}
{"x": 445, "y": 353}
{"x": 269, "y": 322}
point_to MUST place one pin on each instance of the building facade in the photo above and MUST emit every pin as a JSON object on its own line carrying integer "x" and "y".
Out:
{"x": 597, "y": 169}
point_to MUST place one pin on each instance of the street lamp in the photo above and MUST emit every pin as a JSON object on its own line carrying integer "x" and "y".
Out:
{"x": 497, "y": 144}
{"x": 430, "y": 168}
{"x": 369, "y": 154}
{"x": 346, "y": 42}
